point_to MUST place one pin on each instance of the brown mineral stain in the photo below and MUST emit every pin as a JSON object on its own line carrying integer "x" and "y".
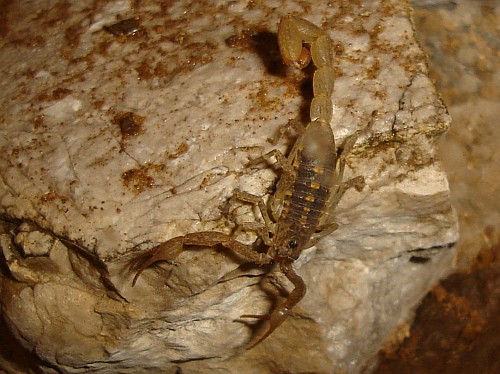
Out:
{"x": 60, "y": 93}
{"x": 181, "y": 149}
{"x": 4, "y": 18}
{"x": 52, "y": 196}
{"x": 144, "y": 70}
{"x": 130, "y": 124}
{"x": 57, "y": 94}
{"x": 137, "y": 180}
{"x": 39, "y": 121}
{"x": 126, "y": 27}
{"x": 373, "y": 70}
{"x": 72, "y": 35}
{"x": 141, "y": 178}
{"x": 241, "y": 40}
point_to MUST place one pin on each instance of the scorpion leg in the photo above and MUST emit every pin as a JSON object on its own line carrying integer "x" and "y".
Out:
{"x": 342, "y": 187}
{"x": 259, "y": 228}
{"x": 295, "y": 125}
{"x": 170, "y": 249}
{"x": 323, "y": 230}
{"x": 284, "y": 163}
{"x": 268, "y": 223}
{"x": 281, "y": 160}
{"x": 327, "y": 224}
{"x": 356, "y": 182}
{"x": 281, "y": 313}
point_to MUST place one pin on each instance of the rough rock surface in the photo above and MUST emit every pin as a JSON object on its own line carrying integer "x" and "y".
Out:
{"x": 117, "y": 138}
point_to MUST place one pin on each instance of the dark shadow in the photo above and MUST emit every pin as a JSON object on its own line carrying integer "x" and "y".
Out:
{"x": 265, "y": 45}
{"x": 14, "y": 357}
{"x": 306, "y": 90}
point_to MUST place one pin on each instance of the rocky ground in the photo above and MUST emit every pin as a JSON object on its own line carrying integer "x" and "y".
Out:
{"x": 457, "y": 327}
{"x": 96, "y": 169}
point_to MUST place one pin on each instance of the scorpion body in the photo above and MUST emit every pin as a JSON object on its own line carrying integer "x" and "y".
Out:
{"x": 309, "y": 188}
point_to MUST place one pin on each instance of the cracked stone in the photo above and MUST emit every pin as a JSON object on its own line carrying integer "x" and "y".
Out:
{"x": 201, "y": 89}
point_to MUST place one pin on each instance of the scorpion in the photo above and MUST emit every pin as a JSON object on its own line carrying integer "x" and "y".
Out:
{"x": 310, "y": 186}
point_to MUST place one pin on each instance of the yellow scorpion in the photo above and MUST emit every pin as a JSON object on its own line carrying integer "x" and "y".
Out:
{"x": 308, "y": 190}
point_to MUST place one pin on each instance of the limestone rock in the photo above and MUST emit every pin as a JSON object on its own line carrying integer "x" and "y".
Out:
{"x": 125, "y": 124}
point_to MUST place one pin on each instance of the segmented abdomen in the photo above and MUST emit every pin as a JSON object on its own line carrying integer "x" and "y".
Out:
{"x": 307, "y": 196}
{"x": 306, "y": 200}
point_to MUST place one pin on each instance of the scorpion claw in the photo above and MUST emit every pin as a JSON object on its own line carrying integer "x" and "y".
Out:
{"x": 163, "y": 252}
{"x": 273, "y": 321}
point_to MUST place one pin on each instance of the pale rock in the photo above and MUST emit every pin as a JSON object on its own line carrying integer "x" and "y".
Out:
{"x": 113, "y": 144}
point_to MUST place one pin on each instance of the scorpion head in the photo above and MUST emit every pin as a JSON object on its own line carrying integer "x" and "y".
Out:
{"x": 288, "y": 247}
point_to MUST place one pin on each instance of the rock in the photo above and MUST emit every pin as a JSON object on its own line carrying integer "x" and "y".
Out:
{"x": 114, "y": 142}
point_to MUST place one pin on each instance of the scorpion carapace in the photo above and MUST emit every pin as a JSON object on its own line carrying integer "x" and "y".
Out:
{"x": 309, "y": 188}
